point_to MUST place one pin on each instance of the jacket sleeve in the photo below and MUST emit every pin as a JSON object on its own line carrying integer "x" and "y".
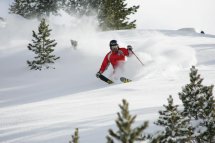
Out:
{"x": 126, "y": 51}
{"x": 105, "y": 64}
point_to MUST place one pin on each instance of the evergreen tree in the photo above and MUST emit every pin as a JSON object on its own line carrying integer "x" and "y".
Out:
{"x": 34, "y": 8}
{"x": 23, "y": 8}
{"x": 192, "y": 95}
{"x": 43, "y": 47}
{"x": 208, "y": 134}
{"x": 126, "y": 134}
{"x": 75, "y": 137}
{"x": 209, "y": 104}
{"x": 45, "y": 7}
{"x": 75, "y": 7}
{"x": 176, "y": 127}
{"x": 113, "y": 15}
{"x": 199, "y": 104}
{"x": 81, "y": 7}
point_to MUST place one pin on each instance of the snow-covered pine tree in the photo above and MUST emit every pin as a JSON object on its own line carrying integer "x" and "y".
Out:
{"x": 209, "y": 103}
{"x": 46, "y": 7}
{"x": 176, "y": 127}
{"x": 23, "y": 8}
{"x": 34, "y": 8}
{"x": 124, "y": 122}
{"x": 208, "y": 133}
{"x": 199, "y": 104}
{"x": 80, "y": 7}
{"x": 113, "y": 15}
{"x": 43, "y": 47}
{"x": 75, "y": 137}
{"x": 191, "y": 95}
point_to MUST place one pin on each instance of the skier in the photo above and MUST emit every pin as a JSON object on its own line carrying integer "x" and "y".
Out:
{"x": 116, "y": 57}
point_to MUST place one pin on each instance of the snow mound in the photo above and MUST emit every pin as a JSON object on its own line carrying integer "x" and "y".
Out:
{"x": 190, "y": 30}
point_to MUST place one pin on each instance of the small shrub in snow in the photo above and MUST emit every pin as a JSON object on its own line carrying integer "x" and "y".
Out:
{"x": 124, "y": 122}
{"x": 75, "y": 137}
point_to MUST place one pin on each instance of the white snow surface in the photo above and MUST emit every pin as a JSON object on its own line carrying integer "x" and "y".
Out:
{"x": 46, "y": 106}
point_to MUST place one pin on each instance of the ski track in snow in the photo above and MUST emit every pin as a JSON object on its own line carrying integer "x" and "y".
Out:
{"x": 46, "y": 106}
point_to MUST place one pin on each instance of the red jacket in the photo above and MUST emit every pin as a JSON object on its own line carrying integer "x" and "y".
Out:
{"x": 114, "y": 58}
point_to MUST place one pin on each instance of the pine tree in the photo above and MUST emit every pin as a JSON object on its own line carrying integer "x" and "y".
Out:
{"x": 209, "y": 101}
{"x": 46, "y": 7}
{"x": 176, "y": 127}
{"x": 23, "y": 8}
{"x": 109, "y": 139}
{"x": 208, "y": 135}
{"x": 191, "y": 95}
{"x": 75, "y": 7}
{"x": 199, "y": 103}
{"x": 75, "y": 137}
{"x": 34, "y": 8}
{"x": 126, "y": 134}
{"x": 81, "y": 7}
{"x": 113, "y": 15}
{"x": 43, "y": 47}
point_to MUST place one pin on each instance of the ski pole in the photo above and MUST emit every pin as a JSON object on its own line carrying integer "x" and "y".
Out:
{"x": 138, "y": 58}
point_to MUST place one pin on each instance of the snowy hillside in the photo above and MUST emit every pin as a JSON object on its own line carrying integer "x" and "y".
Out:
{"x": 46, "y": 106}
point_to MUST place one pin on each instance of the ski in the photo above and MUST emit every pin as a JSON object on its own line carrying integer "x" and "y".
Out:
{"x": 125, "y": 80}
{"x": 105, "y": 79}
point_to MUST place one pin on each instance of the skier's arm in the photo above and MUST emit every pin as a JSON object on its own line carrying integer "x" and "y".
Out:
{"x": 105, "y": 64}
{"x": 127, "y": 52}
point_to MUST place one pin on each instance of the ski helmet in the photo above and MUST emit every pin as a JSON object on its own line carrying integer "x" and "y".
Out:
{"x": 113, "y": 43}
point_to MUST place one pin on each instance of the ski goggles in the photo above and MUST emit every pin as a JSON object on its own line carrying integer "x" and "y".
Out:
{"x": 114, "y": 47}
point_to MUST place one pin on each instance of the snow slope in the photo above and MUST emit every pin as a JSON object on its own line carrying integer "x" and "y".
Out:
{"x": 46, "y": 106}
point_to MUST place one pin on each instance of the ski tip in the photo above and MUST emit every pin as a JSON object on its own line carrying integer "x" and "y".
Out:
{"x": 105, "y": 79}
{"x": 110, "y": 82}
{"x": 125, "y": 80}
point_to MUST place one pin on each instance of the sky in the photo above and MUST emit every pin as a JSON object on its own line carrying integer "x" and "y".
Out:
{"x": 176, "y": 14}
{"x": 165, "y": 14}
{"x": 4, "y": 4}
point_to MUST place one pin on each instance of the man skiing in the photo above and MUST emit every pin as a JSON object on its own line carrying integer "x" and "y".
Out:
{"x": 116, "y": 56}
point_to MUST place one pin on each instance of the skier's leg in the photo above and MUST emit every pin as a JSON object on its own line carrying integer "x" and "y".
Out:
{"x": 118, "y": 72}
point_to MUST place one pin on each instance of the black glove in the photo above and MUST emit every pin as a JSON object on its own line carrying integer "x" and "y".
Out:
{"x": 129, "y": 47}
{"x": 98, "y": 74}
